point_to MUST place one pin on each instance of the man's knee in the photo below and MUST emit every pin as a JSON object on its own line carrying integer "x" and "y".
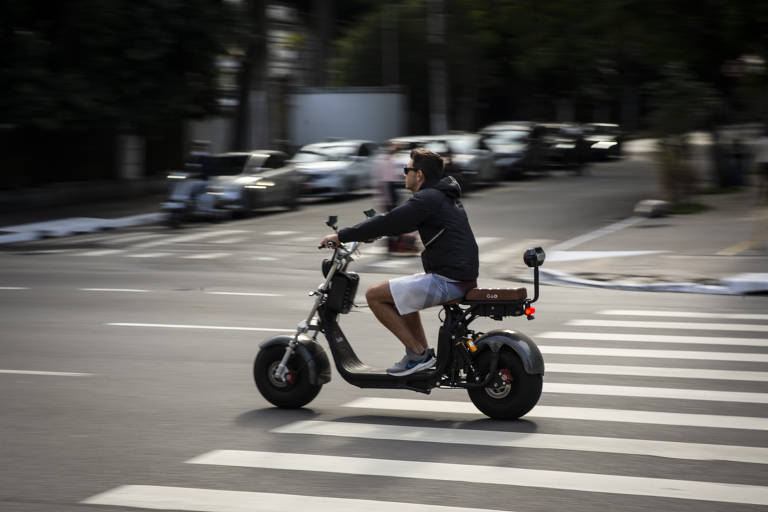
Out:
{"x": 379, "y": 293}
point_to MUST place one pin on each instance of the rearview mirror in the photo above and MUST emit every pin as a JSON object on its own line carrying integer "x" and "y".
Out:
{"x": 534, "y": 257}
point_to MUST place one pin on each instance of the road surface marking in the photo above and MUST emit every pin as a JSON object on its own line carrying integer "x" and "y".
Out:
{"x": 654, "y": 338}
{"x": 13, "y": 288}
{"x": 696, "y": 326}
{"x": 655, "y": 354}
{"x": 129, "y": 290}
{"x": 281, "y": 233}
{"x": 738, "y": 248}
{"x": 235, "y": 240}
{"x": 183, "y": 326}
{"x": 507, "y": 476}
{"x": 150, "y": 255}
{"x": 53, "y": 374}
{"x": 209, "y": 500}
{"x": 684, "y": 314}
{"x": 674, "y": 450}
{"x": 612, "y": 228}
{"x": 207, "y": 256}
{"x": 571, "y": 413}
{"x": 188, "y": 238}
{"x": 654, "y": 392}
{"x": 102, "y": 252}
{"x": 657, "y": 371}
{"x": 248, "y": 294}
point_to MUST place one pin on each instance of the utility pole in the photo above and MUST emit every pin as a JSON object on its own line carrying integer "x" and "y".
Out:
{"x": 438, "y": 94}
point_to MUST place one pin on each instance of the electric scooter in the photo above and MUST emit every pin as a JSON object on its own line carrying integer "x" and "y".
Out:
{"x": 502, "y": 370}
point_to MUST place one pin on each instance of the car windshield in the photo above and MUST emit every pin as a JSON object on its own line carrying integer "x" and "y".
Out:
{"x": 309, "y": 156}
{"x": 508, "y": 137}
{"x": 338, "y": 152}
{"x": 228, "y": 165}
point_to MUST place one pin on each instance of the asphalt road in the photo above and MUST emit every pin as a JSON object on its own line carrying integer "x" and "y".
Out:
{"x": 125, "y": 376}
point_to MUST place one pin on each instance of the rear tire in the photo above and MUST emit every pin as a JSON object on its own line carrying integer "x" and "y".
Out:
{"x": 296, "y": 392}
{"x": 511, "y": 393}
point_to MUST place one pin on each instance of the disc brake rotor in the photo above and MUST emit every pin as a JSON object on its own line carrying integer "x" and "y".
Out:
{"x": 290, "y": 376}
{"x": 501, "y": 385}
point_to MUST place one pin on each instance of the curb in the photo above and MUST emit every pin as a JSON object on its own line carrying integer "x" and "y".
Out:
{"x": 73, "y": 226}
{"x": 741, "y": 284}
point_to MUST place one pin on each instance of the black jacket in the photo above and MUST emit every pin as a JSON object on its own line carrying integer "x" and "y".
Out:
{"x": 436, "y": 211}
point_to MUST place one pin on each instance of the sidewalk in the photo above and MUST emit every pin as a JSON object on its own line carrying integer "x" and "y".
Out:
{"x": 720, "y": 251}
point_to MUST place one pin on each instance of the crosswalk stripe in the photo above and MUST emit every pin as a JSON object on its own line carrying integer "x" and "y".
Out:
{"x": 185, "y": 326}
{"x": 192, "y": 237}
{"x": 102, "y": 252}
{"x": 674, "y": 450}
{"x": 657, "y": 371}
{"x": 214, "y": 500}
{"x": 150, "y": 255}
{"x": 571, "y": 413}
{"x": 654, "y": 354}
{"x": 53, "y": 374}
{"x": 653, "y": 392}
{"x": 683, "y": 314}
{"x": 653, "y": 338}
{"x": 547, "y": 479}
{"x": 206, "y": 256}
{"x": 696, "y": 326}
{"x": 128, "y": 290}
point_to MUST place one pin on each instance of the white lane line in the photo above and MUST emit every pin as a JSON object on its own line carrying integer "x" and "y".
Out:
{"x": 696, "y": 326}
{"x": 654, "y": 338}
{"x": 235, "y": 240}
{"x": 264, "y": 258}
{"x": 184, "y": 326}
{"x": 281, "y": 233}
{"x": 484, "y": 240}
{"x": 611, "y": 228}
{"x": 53, "y": 374}
{"x": 673, "y": 450}
{"x": 188, "y": 238}
{"x": 207, "y": 256}
{"x": 683, "y": 314}
{"x": 209, "y": 500}
{"x": 101, "y": 252}
{"x": 13, "y": 288}
{"x": 150, "y": 255}
{"x": 657, "y": 371}
{"x": 571, "y": 413}
{"x": 508, "y": 476}
{"x": 128, "y": 290}
{"x": 654, "y": 354}
{"x": 133, "y": 238}
{"x": 247, "y": 294}
{"x": 653, "y": 392}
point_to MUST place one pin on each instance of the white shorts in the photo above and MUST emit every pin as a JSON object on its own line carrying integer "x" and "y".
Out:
{"x": 421, "y": 291}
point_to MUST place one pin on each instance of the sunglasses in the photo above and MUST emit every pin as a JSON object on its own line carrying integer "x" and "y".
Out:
{"x": 406, "y": 170}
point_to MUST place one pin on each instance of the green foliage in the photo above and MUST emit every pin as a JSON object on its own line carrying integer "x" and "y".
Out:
{"x": 74, "y": 64}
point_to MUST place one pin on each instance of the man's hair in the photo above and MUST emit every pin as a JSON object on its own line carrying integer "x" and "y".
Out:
{"x": 430, "y": 163}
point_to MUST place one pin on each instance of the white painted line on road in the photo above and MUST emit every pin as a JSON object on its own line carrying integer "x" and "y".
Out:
{"x": 150, "y": 255}
{"x": 607, "y": 230}
{"x": 654, "y": 338}
{"x": 281, "y": 233}
{"x": 507, "y": 476}
{"x": 235, "y": 240}
{"x": 184, "y": 326}
{"x": 683, "y": 314}
{"x": 102, "y": 252}
{"x": 13, "y": 288}
{"x": 53, "y": 374}
{"x": 484, "y": 240}
{"x": 133, "y": 238}
{"x": 209, "y": 500}
{"x": 673, "y": 450}
{"x": 559, "y": 256}
{"x": 653, "y": 392}
{"x": 696, "y": 326}
{"x": 571, "y": 413}
{"x": 129, "y": 290}
{"x": 264, "y": 258}
{"x": 654, "y": 354}
{"x": 206, "y": 256}
{"x": 247, "y": 294}
{"x": 189, "y": 238}
{"x": 657, "y": 371}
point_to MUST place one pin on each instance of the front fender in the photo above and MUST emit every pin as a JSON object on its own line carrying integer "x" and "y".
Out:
{"x": 311, "y": 352}
{"x": 523, "y": 346}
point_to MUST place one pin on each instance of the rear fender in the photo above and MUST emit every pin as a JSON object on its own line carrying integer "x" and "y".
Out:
{"x": 311, "y": 352}
{"x": 522, "y": 345}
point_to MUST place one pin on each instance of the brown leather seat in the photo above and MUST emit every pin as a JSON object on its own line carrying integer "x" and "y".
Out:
{"x": 495, "y": 294}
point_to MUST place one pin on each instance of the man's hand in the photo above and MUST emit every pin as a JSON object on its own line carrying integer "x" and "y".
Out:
{"x": 329, "y": 241}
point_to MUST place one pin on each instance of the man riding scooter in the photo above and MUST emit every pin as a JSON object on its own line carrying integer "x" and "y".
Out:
{"x": 450, "y": 256}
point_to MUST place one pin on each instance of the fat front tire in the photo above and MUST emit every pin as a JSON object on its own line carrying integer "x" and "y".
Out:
{"x": 296, "y": 391}
{"x": 511, "y": 393}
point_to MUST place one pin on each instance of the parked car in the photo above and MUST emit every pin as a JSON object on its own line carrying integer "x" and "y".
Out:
{"x": 335, "y": 168}
{"x": 562, "y": 144}
{"x": 515, "y": 149}
{"x": 603, "y": 140}
{"x": 238, "y": 183}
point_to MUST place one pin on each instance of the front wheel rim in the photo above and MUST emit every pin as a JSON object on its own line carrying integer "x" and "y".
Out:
{"x": 290, "y": 376}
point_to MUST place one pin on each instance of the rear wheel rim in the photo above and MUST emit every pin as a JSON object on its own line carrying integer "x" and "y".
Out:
{"x": 501, "y": 387}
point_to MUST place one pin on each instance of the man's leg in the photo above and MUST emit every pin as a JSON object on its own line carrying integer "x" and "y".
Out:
{"x": 407, "y": 328}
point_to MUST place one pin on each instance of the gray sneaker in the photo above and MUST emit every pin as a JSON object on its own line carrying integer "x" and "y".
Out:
{"x": 412, "y": 363}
